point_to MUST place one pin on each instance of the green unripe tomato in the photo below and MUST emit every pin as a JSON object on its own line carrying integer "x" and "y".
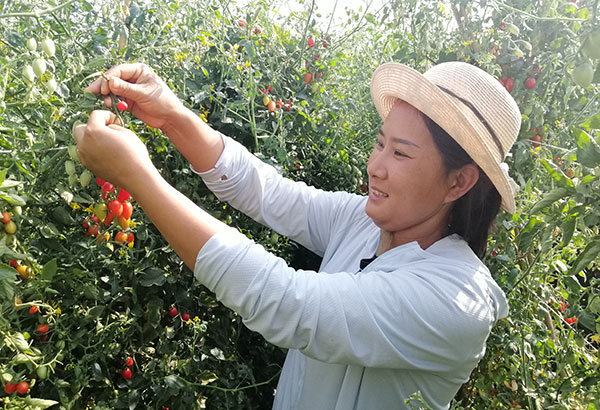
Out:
{"x": 70, "y": 167}
{"x": 512, "y": 29}
{"x": 51, "y": 85}
{"x": 28, "y": 73}
{"x": 39, "y": 66}
{"x": 48, "y": 47}
{"x": 85, "y": 178}
{"x": 72, "y": 150}
{"x": 31, "y": 44}
{"x": 73, "y": 180}
{"x": 42, "y": 372}
{"x": 100, "y": 210}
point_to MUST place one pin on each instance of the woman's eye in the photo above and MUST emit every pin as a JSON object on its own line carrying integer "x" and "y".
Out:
{"x": 399, "y": 154}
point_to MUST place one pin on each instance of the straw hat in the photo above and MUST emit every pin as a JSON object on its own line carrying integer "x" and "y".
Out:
{"x": 468, "y": 103}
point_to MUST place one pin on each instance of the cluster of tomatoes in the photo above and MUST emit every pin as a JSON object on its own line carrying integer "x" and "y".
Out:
{"x": 563, "y": 307}
{"x": 21, "y": 388}
{"x": 126, "y": 372}
{"x": 115, "y": 208}
{"x": 10, "y": 227}
{"x": 272, "y": 104}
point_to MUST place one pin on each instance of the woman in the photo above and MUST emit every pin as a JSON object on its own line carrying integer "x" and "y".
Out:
{"x": 404, "y": 304}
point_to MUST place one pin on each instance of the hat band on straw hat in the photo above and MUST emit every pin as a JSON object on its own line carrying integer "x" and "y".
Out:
{"x": 480, "y": 117}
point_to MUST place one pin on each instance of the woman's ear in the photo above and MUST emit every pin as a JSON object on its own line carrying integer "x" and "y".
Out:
{"x": 461, "y": 180}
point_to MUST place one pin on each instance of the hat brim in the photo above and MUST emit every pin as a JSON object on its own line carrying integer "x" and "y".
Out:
{"x": 394, "y": 81}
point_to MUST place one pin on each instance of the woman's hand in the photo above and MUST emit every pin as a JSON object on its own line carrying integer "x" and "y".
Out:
{"x": 112, "y": 152}
{"x": 147, "y": 96}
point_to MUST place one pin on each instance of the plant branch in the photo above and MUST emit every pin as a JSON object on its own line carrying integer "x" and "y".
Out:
{"x": 37, "y": 14}
{"x": 531, "y": 16}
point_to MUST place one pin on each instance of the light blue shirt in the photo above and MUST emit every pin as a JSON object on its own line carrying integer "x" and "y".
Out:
{"x": 413, "y": 320}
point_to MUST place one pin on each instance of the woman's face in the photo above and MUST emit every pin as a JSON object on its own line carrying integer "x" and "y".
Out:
{"x": 408, "y": 186}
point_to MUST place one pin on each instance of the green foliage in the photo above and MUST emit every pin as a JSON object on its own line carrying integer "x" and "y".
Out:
{"x": 105, "y": 301}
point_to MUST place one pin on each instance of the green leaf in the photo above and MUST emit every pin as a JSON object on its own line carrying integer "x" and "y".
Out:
{"x": 13, "y": 199}
{"x": 572, "y": 284}
{"x": 154, "y": 309}
{"x": 40, "y": 404}
{"x": 96, "y": 311}
{"x": 8, "y": 282}
{"x": 557, "y": 173}
{"x": 153, "y": 276}
{"x": 49, "y": 270}
{"x": 549, "y": 199}
{"x": 174, "y": 382}
{"x": 589, "y": 254}
{"x": 133, "y": 398}
{"x": 568, "y": 228}
{"x": 2, "y": 177}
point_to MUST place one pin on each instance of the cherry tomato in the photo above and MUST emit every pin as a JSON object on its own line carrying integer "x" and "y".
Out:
{"x": 116, "y": 207}
{"x": 130, "y": 237}
{"x": 173, "y": 312}
{"x": 10, "y": 227}
{"x": 22, "y": 387}
{"x": 126, "y": 374}
{"x": 308, "y": 78}
{"x": 271, "y": 106}
{"x": 121, "y": 237}
{"x": 93, "y": 231}
{"x": 107, "y": 188}
{"x": 5, "y": 217}
{"x": 23, "y": 271}
{"x": 110, "y": 216}
{"x": 122, "y": 106}
{"x": 33, "y": 310}
{"x": 129, "y": 361}
{"x": 10, "y": 388}
{"x": 127, "y": 210}
{"x": 123, "y": 195}
{"x": 123, "y": 223}
{"x": 100, "y": 182}
{"x": 43, "y": 329}
{"x": 13, "y": 263}
{"x": 185, "y": 317}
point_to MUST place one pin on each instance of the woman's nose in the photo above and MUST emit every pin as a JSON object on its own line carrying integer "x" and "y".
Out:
{"x": 376, "y": 165}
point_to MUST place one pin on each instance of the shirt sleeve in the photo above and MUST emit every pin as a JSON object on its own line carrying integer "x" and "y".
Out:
{"x": 397, "y": 319}
{"x": 303, "y": 213}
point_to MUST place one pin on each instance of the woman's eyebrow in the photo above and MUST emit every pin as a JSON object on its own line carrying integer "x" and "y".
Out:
{"x": 400, "y": 140}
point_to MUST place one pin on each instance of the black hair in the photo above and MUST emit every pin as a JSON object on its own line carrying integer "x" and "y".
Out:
{"x": 473, "y": 214}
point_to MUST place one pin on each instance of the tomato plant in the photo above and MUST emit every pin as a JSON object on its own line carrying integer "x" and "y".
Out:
{"x": 244, "y": 70}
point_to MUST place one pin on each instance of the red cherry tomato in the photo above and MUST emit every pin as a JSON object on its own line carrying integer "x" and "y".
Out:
{"x": 116, "y": 207}
{"x": 109, "y": 218}
{"x": 107, "y": 188}
{"x": 185, "y": 317}
{"x": 43, "y": 329}
{"x": 122, "y": 106}
{"x": 123, "y": 195}
{"x": 130, "y": 237}
{"x": 13, "y": 263}
{"x": 5, "y": 217}
{"x": 22, "y": 387}
{"x": 10, "y": 388}
{"x": 100, "y": 181}
{"x": 126, "y": 374}
{"x": 127, "y": 210}
{"x": 33, "y": 310}
{"x": 121, "y": 237}
{"x": 173, "y": 312}
{"x": 530, "y": 83}
{"x": 129, "y": 361}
